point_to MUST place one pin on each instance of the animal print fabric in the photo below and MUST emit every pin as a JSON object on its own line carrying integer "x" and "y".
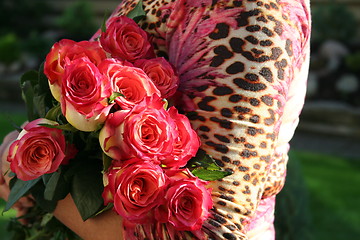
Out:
{"x": 243, "y": 67}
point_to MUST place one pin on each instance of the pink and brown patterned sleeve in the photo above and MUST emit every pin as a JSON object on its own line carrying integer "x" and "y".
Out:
{"x": 243, "y": 65}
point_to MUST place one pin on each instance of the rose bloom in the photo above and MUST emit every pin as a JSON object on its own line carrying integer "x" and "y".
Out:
{"x": 131, "y": 82}
{"x": 146, "y": 132}
{"x": 134, "y": 188}
{"x": 38, "y": 150}
{"x": 124, "y": 39}
{"x": 85, "y": 93}
{"x": 62, "y": 53}
{"x": 187, "y": 202}
{"x": 161, "y": 73}
{"x": 186, "y": 143}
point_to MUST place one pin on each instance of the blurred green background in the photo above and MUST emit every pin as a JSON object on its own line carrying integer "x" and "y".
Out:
{"x": 321, "y": 197}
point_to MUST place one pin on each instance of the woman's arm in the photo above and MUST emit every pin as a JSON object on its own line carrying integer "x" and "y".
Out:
{"x": 107, "y": 225}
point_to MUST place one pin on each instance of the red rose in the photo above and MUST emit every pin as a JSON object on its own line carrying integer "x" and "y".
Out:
{"x": 186, "y": 143}
{"x": 161, "y": 73}
{"x": 38, "y": 150}
{"x": 146, "y": 132}
{"x": 187, "y": 203}
{"x": 131, "y": 82}
{"x": 62, "y": 53}
{"x": 124, "y": 39}
{"x": 85, "y": 93}
{"x": 134, "y": 189}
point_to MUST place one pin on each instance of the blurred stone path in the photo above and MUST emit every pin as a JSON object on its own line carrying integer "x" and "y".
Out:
{"x": 6, "y": 107}
{"x": 329, "y": 127}
{"x": 327, "y": 144}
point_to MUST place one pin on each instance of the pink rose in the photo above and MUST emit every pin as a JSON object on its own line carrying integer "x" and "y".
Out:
{"x": 134, "y": 189}
{"x": 23, "y": 204}
{"x": 187, "y": 203}
{"x": 124, "y": 39}
{"x": 186, "y": 143}
{"x": 62, "y": 53}
{"x": 161, "y": 73}
{"x": 38, "y": 150}
{"x": 131, "y": 82}
{"x": 85, "y": 93}
{"x": 4, "y": 152}
{"x": 146, "y": 132}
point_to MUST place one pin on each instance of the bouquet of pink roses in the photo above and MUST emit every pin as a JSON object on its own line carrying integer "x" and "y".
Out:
{"x": 103, "y": 127}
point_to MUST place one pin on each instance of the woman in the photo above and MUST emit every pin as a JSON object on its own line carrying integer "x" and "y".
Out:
{"x": 243, "y": 69}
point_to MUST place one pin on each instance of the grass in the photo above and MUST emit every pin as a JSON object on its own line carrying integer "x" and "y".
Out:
{"x": 332, "y": 185}
{"x": 4, "y": 219}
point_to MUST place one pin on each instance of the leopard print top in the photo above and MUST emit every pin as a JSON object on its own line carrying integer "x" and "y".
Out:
{"x": 243, "y": 64}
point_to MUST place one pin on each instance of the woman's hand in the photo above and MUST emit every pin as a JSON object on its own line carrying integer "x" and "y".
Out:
{"x": 24, "y": 203}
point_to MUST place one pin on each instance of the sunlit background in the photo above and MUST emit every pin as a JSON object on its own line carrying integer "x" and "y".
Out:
{"x": 322, "y": 194}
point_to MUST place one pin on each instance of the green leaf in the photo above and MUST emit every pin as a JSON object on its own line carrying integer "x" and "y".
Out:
{"x": 46, "y": 100}
{"x": 46, "y": 178}
{"x": 86, "y": 190}
{"x": 106, "y": 208}
{"x": 46, "y": 219}
{"x": 29, "y": 76}
{"x": 36, "y": 93}
{"x": 54, "y": 113}
{"x": 51, "y": 185}
{"x": 28, "y": 80}
{"x": 65, "y": 127}
{"x": 18, "y": 190}
{"x": 40, "y": 104}
{"x": 204, "y": 167}
{"x": 137, "y": 13}
{"x": 115, "y": 95}
{"x": 106, "y": 162}
{"x": 103, "y": 25}
{"x": 210, "y": 175}
{"x": 203, "y": 160}
{"x": 38, "y": 193}
{"x": 43, "y": 81}
{"x": 11, "y": 174}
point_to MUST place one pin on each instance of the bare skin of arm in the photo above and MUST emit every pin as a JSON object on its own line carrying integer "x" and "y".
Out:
{"x": 109, "y": 224}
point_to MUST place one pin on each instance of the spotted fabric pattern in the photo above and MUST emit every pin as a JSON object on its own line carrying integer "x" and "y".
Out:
{"x": 243, "y": 65}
